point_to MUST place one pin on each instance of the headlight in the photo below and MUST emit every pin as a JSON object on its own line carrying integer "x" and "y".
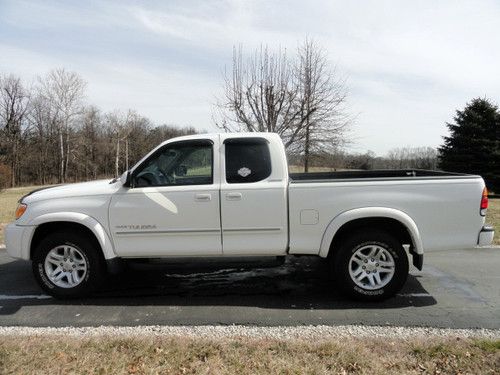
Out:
{"x": 21, "y": 209}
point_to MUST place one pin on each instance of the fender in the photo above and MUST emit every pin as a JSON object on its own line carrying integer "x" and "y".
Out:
{"x": 367, "y": 212}
{"x": 85, "y": 220}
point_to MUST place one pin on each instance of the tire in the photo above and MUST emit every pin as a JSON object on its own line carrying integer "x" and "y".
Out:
{"x": 74, "y": 259}
{"x": 362, "y": 265}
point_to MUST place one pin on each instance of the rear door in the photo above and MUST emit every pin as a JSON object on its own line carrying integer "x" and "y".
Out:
{"x": 253, "y": 199}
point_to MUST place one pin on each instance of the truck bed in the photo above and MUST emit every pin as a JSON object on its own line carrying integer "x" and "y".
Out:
{"x": 381, "y": 174}
{"x": 444, "y": 206}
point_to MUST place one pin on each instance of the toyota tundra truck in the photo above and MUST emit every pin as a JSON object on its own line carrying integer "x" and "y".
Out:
{"x": 229, "y": 195}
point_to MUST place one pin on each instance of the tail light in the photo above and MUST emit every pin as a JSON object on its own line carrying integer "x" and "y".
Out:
{"x": 484, "y": 202}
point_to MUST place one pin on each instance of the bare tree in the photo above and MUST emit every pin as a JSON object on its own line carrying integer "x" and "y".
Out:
{"x": 323, "y": 120}
{"x": 63, "y": 91}
{"x": 14, "y": 104}
{"x": 123, "y": 126}
{"x": 39, "y": 117}
{"x": 301, "y": 99}
{"x": 260, "y": 95}
{"x": 88, "y": 141}
{"x": 45, "y": 124}
{"x": 117, "y": 123}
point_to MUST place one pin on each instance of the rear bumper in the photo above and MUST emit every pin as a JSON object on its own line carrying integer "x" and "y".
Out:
{"x": 486, "y": 236}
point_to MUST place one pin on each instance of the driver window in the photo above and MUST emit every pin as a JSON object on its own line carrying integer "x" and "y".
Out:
{"x": 187, "y": 163}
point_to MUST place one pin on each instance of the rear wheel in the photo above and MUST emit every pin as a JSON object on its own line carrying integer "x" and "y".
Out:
{"x": 67, "y": 265}
{"x": 370, "y": 266}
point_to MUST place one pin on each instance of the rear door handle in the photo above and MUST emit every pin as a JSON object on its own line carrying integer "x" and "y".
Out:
{"x": 233, "y": 196}
{"x": 203, "y": 197}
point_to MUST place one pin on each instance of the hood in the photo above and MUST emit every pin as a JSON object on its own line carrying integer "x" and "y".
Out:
{"x": 100, "y": 187}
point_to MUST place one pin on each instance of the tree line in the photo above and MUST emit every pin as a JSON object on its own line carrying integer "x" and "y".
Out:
{"x": 397, "y": 158}
{"x": 49, "y": 134}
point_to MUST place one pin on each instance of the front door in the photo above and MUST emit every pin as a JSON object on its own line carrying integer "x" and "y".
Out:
{"x": 172, "y": 206}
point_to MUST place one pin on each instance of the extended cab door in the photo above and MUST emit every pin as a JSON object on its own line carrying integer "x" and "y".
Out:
{"x": 253, "y": 197}
{"x": 172, "y": 206}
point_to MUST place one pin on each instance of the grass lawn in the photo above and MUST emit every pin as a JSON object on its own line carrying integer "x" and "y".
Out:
{"x": 9, "y": 198}
{"x": 182, "y": 355}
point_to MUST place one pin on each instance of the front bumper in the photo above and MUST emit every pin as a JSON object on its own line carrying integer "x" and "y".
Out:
{"x": 486, "y": 236}
{"x": 17, "y": 240}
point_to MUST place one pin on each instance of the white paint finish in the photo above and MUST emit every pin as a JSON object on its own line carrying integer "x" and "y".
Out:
{"x": 13, "y": 240}
{"x": 169, "y": 220}
{"x": 254, "y": 215}
{"x": 87, "y": 199}
{"x": 256, "y": 224}
{"x": 79, "y": 190}
{"x": 309, "y": 217}
{"x": 166, "y": 221}
{"x": 445, "y": 212}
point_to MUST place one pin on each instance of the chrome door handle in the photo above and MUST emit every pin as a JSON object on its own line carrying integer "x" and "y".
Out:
{"x": 233, "y": 196}
{"x": 203, "y": 197}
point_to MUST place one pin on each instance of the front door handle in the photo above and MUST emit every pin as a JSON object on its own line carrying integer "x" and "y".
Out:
{"x": 233, "y": 196}
{"x": 203, "y": 197}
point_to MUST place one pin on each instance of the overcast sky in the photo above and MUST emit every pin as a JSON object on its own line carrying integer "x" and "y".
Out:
{"x": 409, "y": 64}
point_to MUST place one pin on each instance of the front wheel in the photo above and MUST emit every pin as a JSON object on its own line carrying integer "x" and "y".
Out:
{"x": 370, "y": 266}
{"x": 67, "y": 265}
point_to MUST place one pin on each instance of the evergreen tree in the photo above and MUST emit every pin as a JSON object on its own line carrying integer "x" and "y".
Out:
{"x": 473, "y": 145}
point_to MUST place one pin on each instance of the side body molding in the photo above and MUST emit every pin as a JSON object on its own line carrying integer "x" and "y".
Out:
{"x": 367, "y": 212}
{"x": 85, "y": 220}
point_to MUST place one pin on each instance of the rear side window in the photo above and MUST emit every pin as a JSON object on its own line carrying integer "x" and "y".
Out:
{"x": 247, "y": 160}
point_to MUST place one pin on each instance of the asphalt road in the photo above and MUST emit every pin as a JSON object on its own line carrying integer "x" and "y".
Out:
{"x": 456, "y": 289}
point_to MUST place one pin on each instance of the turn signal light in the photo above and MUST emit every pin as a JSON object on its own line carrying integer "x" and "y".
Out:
{"x": 484, "y": 202}
{"x": 21, "y": 209}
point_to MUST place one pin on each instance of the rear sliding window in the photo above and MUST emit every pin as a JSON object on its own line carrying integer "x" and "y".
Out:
{"x": 247, "y": 160}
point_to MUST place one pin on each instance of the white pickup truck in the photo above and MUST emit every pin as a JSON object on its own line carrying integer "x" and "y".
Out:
{"x": 217, "y": 195}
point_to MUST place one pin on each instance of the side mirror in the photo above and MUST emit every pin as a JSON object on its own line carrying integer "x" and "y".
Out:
{"x": 125, "y": 178}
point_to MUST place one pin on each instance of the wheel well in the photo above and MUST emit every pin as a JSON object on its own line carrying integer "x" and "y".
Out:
{"x": 61, "y": 226}
{"x": 389, "y": 225}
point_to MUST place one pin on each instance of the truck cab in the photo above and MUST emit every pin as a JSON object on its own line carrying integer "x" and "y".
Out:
{"x": 223, "y": 194}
